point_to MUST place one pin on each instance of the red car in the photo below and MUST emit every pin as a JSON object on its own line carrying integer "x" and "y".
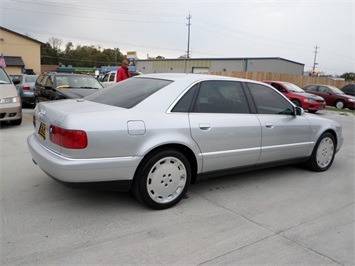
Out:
{"x": 332, "y": 95}
{"x": 299, "y": 97}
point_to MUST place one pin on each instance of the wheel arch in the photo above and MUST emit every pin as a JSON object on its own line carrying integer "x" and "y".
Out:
{"x": 296, "y": 100}
{"x": 179, "y": 147}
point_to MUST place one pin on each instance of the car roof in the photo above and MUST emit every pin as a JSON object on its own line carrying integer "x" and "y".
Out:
{"x": 191, "y": 77}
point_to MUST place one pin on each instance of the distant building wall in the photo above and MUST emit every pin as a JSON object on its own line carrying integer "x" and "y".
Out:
{"x": 274, "y": 65}
{"x": 18, "y": 45}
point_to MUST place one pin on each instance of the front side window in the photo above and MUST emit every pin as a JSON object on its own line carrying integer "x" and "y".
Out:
{"x": 4, "y": 79}
{"x": 268, "y": 101}
{"x": 128, "y": 93}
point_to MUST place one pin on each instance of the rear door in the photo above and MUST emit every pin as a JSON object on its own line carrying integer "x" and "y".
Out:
{"x": 227, "y": 134}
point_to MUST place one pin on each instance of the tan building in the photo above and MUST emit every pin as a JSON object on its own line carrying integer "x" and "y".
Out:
{"x": 22, "y": 54}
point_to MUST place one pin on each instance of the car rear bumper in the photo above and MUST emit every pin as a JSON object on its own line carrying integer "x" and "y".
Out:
{"x": 69, "y": 170}
{"x": 28, "y": 97}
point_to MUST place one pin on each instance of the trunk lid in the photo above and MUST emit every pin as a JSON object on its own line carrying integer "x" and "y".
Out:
{"x": 54, "y": 113}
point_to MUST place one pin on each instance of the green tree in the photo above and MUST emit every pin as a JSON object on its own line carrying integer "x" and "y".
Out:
{"x": 79, "y": 56}
{"x": 350, "y": 76}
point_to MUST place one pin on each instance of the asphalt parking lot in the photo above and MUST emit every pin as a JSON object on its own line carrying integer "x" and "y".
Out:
{"x": 280, "y": 216}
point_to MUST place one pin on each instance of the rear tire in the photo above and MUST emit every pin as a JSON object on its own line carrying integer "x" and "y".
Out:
{"x": 323, "y": 153}
{"x": 162, "y": 179}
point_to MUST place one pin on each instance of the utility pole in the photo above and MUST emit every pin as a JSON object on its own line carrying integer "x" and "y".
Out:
{"x": 188, "y": 42}
{"x": 188, "y": 37}
{"x": 315, "y": 57}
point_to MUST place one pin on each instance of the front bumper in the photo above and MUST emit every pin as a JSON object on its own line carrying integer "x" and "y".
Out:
{"x": 10, "y": 111}
{"x": 69, "y": 170}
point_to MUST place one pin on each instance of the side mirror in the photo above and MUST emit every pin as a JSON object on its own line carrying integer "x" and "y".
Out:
{"x": 299, "y": 111}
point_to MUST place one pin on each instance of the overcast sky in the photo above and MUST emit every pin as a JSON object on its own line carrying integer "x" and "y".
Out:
{"x": 219, "y": 29}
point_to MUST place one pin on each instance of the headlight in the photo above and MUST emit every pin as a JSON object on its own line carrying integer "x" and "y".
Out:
{"x": 10, "y": 100}
{"x": 309, "y": 100}
{"x": 351, "y": 100}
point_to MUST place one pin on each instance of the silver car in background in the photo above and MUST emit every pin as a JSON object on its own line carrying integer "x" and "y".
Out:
{"x": 155, "y": 134}
{"x": 26, "y": 88}
{"x": 10, "y": 101}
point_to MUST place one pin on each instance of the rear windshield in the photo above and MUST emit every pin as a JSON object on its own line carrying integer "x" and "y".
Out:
{"x": 128, "y": 93}
{"x": 30, "y": 78}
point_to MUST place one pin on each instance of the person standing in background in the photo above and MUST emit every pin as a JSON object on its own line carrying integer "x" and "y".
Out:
{"x": 122, "y": 71}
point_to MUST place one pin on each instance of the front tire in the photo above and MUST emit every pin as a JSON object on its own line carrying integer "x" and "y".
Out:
{"x": 162, "y": 179}
{"x": 296, "y": 102}
{"x": 340, "y": 104}
{"x": 323, "y": 154}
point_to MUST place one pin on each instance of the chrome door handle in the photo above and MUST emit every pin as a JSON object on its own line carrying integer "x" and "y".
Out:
{"x": 204, "y": 126}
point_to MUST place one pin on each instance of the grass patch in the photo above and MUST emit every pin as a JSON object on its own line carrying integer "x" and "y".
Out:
{"x": 330, "y": 108}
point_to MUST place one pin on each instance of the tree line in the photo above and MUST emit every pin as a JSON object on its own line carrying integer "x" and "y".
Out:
{"x": 79, "y": 56}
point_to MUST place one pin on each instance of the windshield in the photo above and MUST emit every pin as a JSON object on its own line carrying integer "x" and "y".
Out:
{"x": 77, "y": 82}
{"x": 335, "y": 90}
{"x": 128, "y": 93}
{"x": 293, "y": 88}
{"x": 4, "y": 79}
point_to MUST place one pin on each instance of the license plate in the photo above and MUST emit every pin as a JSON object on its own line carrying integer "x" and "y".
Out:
{"x": 42, "y": 130}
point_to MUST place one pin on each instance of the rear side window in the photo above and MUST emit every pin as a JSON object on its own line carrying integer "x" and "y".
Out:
{"x": 128, "y": 93}
{"x": 215, "y": 97}
{"x": 311, "y": 88}
{"x": 268, "y": 101}
{"x": 39, "y": 80}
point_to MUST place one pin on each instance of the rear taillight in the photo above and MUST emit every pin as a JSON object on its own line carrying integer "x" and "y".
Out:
{"x": 25, "y": 87}
{"x": 70, "y": 139}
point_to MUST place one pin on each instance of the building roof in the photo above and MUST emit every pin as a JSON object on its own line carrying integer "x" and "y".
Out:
{"x": 14, "y": 61}
{"x": 21, "y": 35}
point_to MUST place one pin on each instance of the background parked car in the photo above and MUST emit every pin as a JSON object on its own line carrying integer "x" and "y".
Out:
{"x": 332, "y": 95}
{"x": 349, "y": 89}
{"x": 10, "y": 101}
{"x": 157, "y": 133}
{"x": 299, "y": 97}
{"x": 110, "y": 77}
{"x": 15, "y": 76}
{"x": 26, "y": 88}
{"x": 55, "y": 86}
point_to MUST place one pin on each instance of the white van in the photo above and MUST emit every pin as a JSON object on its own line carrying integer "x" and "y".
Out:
{"x": 110, "y": 77}
{"x": 10, "y": 101}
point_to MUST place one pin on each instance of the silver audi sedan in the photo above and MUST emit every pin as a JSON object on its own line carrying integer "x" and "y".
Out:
{"x": 156, "y": 134}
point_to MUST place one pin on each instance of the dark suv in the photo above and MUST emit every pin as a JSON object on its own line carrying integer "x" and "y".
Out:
{"x": 55, "y": 86}
{"x": 349, "y": 89}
